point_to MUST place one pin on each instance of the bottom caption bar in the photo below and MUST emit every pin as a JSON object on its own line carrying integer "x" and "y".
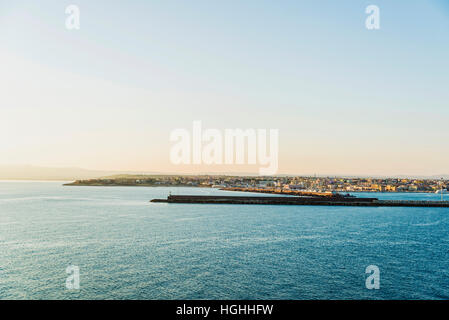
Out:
{"x": 227, "y": 309}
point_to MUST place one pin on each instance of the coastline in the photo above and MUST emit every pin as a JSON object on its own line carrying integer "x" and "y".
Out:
{"x": 131, "y": 185}
{"x": 73, "y": 184}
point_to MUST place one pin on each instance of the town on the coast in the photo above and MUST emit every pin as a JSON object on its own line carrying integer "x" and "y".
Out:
{"x": 279, "y": 183}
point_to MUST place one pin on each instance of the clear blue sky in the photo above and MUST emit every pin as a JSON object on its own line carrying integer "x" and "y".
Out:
{"x": 346, "y": 100}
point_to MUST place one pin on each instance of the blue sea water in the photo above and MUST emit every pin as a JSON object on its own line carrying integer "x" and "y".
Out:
{"x": 128, "y": 248}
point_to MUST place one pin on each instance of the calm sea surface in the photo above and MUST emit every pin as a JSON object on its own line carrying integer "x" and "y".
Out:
{"x": 128, "y": 248}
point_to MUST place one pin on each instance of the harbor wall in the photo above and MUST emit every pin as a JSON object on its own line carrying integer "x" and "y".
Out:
{"x": 371, "y": 202}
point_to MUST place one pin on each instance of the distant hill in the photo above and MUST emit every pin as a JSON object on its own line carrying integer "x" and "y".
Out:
{"x": 28, "y": 172}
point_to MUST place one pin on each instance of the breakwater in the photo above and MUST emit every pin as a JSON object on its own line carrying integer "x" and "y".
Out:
{"x": 283, "y": 191}
{"x": 292, "y": 200}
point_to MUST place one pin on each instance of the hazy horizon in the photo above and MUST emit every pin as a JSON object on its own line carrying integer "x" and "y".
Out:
{"x": 33, "y": 173}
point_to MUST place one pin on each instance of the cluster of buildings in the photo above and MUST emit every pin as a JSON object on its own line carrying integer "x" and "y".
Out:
{"x": 367, "y": 184}
{"x": 313, "y": 184}
{"x": 340, "y": 184}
